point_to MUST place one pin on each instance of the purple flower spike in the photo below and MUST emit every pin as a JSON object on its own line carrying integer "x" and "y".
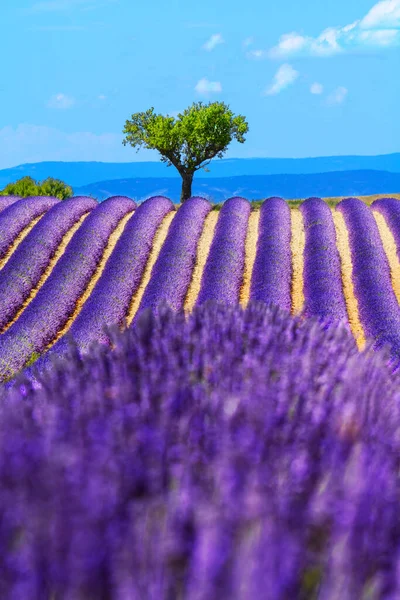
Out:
{"x": 272, "y": 271}
{"x": 55, "y": 302}
{"x": 22, "y": 272}
{"x": 18, "y": 215}
{"x": 378, "y": 306}
{"x": 223, "y": 272}
{"x": 109, "y": 301}
{"x": 171, "y": 274}
{"x": 323, "y": 291}
{"x": 6, "y": 201}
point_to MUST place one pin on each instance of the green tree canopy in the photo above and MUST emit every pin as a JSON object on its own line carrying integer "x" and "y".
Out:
{"x": 56, "y": 188}
{"x": 190, "y": 141}
{"x": 26, "y": 186}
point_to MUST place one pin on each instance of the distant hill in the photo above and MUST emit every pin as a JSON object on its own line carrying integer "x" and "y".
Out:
{"x": 347, "y": 183}
{"x": 78, "y": 174}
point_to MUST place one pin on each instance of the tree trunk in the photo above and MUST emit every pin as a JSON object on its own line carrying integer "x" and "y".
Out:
{"x": 187, "y": 179}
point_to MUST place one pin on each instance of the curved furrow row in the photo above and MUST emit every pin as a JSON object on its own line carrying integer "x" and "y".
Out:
{"x": 25, "y": 269}
{"x": 109, "y": 302}
{"x": 6, "y": 201}
{"x": 17, "y": 217}
{"x": 387, "y": 216}
{"x": 323, "y": 291}
{"x": 272, "y": 272}
{"x": 49, "y": 311}
{"x": 378, "y": 306}
{"x": 223, "y": 273}
{"x": 172, "y": 272}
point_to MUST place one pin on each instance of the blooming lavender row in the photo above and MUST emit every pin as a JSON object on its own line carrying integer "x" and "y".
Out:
{"x": 223, "y": 272}
{"x": 29, "y": 261}
{"x": 55, "y": 302}
{"x": 390, "y": 209}
{"x": 196, "y": 461}
{"x": 272, "y": 271}
{"x": 378, "y": 306}
{"x": 18, "y": 215}
{"x": 323, "y": 290}
{"x": 6, "y": 201}
{"x": 172, "y": 271}
{"x": 109, "y": 301}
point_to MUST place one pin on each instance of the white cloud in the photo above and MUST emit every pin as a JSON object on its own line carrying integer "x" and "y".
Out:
{"x": 35, "y": 143}
{"x": 213, "y": 41}
{"x": 337, "y": 96}
{"x": 284, "y": 77}
{"x": 316, "y": 88}
{"x": 248, "y": 41}
{"x": 382, "y": 15}
{"x": 256, "y": 54}
{"x": 381, "y": 37}
{"x": 379, "y": 28}
{"x": 102, "y": 97}
{"x": 61, "y": 101}
{"x": 203, "y": 86}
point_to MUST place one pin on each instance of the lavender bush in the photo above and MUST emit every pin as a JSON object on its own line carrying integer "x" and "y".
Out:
{"x": 390, "y": 209}
{"x": 378, "y": 306}
{"x": 109, "y": 301}
{"x": 233, "y": 454}
{"x": 15, "y": 217}
{"x": 323, "y": 291}
{"x": 54, "y": 303}
{"x": 223, "y": 272}
{"x": 172, "y": 271}
{"x": 7, "y": 201}
{"x": 25, "y": 267}
{"x": 272, "y": 272}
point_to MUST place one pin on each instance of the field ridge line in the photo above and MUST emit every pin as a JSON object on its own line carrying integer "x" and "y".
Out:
{"x": 249, "y": 256}
{"x": 346, "y": 267}
{"x": 203, "y": 250}
{"x": 297, "y": 245}
{"x": 20, "y": 237}
{"x": 47, "y": 272}
{"x": 390, "y": 248}
{"x": 112, "y": 240}
{"x": 158, "y": 241}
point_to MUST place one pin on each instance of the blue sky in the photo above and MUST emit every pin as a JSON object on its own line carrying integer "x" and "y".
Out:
{"x": 312, "y": 77}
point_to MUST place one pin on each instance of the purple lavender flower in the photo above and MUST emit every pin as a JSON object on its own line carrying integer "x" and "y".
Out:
{"x": 171, "y": 274}
{"x": 109, "y": 301}
{"x": 323, "y": 292}
{"x": 233, "y": 453}
{"x": 6, "y": 201}
{"x": 223, "y": 272}
{"x": 54, "y": 303}
{"x": 272, "y": 272}
{"x": 378, "y": 306}
{"x": 25, "y": 267}
{"x": 15, "y": 217}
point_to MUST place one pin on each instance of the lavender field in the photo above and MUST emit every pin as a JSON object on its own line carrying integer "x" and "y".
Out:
{"x": 75, "y": 267}
{"x": 199, "y": 404}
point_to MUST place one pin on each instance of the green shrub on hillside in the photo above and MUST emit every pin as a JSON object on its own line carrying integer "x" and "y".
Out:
{"x": 27, "y": 186}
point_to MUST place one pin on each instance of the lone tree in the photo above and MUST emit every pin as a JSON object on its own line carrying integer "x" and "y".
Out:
{"x": 26, "y": 186}
{"x": 190, "y": 141}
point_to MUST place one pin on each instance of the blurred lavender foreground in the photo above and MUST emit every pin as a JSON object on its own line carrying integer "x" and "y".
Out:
{"x": 238, "y": 454}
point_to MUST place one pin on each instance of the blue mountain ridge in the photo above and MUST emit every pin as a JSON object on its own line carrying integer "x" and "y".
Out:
{"x": 341, "y": 183}
{"x": 79, "y": 174}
